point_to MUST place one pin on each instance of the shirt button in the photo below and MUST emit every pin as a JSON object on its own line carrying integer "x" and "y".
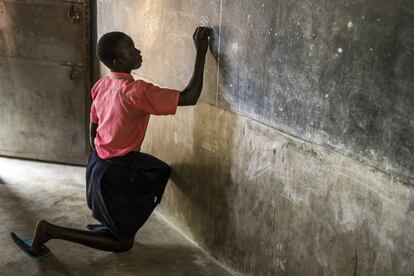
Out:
{"x": 155, "y": 199}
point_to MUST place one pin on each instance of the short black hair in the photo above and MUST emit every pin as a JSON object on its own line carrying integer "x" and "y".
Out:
{"x": 106, "y": 48}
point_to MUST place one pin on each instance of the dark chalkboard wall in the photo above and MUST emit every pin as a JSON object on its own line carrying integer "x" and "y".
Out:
{"x": 337, "y": 73}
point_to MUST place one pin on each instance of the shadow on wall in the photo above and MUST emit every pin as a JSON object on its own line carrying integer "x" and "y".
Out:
{"x": 205, "y": 177}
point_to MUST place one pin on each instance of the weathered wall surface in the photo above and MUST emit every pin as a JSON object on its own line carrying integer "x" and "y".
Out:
{"x": 340, "y": 196}
{"x": 42, "y": 109}
{"x": 265, "y": 203}
{"x": 334, "y": 73}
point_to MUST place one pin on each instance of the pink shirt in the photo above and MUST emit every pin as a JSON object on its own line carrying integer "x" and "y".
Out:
{"x": 121, "y": 107}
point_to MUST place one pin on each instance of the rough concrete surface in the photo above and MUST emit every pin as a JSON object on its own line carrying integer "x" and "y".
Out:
{"x": 30, "y": 191}
{"x": 336, "y": 200}
{"x": 43, "y": 103}
{"x": 265, "y": 203}
{"x": 336, "y": 73}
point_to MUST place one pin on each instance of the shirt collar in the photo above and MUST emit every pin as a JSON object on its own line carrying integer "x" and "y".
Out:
{"x": 120, "y": 75}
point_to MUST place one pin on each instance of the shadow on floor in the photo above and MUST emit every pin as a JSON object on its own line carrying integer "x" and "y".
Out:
{"x": 16, "y": 211}
{"x": 142, "y": 259}
{"x": 158, "y": 249}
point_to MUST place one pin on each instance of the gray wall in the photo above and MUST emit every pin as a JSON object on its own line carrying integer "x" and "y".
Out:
{"x": 298, "y": 159}
{"x": 337, "y": 73}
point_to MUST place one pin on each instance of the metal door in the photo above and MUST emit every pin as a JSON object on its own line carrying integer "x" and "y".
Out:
{"x": 44, "y": 79}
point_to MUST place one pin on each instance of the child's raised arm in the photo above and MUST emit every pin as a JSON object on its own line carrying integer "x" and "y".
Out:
{"x": 191, "y": 93}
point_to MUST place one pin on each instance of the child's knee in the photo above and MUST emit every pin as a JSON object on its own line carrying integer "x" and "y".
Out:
{"x": 167, "y": 171}
{"x": 124, "y": 245}
{"x": 164, "y": 169}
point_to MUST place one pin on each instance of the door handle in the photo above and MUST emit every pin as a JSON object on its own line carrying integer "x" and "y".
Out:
{"x": 74, "y": 73}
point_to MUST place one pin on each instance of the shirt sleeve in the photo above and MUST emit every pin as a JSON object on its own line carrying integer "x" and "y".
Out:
{"x": 93, "y": 116}
{"x": 152, "y": 99}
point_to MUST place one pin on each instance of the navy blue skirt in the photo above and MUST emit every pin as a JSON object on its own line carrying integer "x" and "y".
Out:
{"x": 123, "y": 191}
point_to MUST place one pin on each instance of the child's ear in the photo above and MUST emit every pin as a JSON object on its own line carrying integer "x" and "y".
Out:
{"x": 120, "y": 61}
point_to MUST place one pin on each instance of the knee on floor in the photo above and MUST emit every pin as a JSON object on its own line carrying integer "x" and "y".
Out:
{"x": 165, "y": 171}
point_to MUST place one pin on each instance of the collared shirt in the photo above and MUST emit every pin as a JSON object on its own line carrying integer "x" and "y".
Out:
{"x": 121, "y": 107}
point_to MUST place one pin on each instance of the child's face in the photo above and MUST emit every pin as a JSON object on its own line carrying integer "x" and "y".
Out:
{"x": 129, "y": 57}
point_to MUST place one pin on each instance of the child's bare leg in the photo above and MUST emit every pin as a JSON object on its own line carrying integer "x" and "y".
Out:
{"x": 100, "y": 240}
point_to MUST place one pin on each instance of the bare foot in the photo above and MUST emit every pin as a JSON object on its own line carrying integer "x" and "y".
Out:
{"x": 40, "y": 236}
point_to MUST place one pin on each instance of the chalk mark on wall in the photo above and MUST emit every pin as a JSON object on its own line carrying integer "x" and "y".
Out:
{"x": 219, "y": 51}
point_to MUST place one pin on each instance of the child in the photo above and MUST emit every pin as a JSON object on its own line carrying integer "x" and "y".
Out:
{"x": 123, "y": 185}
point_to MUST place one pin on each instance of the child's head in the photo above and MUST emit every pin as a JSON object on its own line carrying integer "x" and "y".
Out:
{"x": 117, "y": 51}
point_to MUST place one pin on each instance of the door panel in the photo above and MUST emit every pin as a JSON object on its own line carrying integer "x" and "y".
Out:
{"x": 44, "y": 80}
{"x": 42, "y": 31}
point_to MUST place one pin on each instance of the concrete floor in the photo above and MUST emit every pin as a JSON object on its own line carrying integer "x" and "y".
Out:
{"x": 30, "y": 191}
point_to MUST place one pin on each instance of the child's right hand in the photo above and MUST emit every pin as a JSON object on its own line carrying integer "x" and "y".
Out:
{"x": 200, "y": 38}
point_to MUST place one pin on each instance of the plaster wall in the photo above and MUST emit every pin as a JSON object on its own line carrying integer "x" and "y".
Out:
{"x": 270, "y": 175}
{"x": 266, "y": 203}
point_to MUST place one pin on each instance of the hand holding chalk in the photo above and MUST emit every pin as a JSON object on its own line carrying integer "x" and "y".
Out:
{"x": 200, "y": 37}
